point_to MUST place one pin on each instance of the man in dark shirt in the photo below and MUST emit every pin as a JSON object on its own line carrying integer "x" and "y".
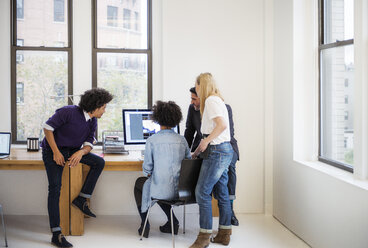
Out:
{"x": 69, "y": 135}
{"x": 193, "y": 126}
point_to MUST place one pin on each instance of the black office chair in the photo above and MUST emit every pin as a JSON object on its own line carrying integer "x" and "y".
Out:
{"x": 189, "y": 173}
{"x": 2, "y": 220}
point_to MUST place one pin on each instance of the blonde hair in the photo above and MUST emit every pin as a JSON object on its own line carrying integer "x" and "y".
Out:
{"x": 207, "y": 87}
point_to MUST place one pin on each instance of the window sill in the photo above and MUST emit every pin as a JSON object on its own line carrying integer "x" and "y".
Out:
{"x": 337, "y": 173}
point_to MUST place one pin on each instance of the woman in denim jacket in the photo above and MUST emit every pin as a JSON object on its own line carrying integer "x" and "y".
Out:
{"x": 217, "y": 154}
{"x": 163, "y": 155}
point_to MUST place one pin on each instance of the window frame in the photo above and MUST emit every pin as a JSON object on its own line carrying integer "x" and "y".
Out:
{"x": 321, "y": 47}
{"x": 147, "y": 51}
{"x": 15, "y": 48}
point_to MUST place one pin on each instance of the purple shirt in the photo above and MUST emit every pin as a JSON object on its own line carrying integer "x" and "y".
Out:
{"x": 71, "y": 128}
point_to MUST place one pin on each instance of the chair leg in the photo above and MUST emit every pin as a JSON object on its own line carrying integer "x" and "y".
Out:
{"x": 145, "y": 222}
{"x": 3, "y": 222}
{"x": 184, "y": 220}
{"x": 172, "y": 226}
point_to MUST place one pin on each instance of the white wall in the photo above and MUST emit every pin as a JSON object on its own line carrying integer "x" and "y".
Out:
{"x": 189, "y": 37}
{"x": 225, "y": 39}
{"x": 309, "y": 199}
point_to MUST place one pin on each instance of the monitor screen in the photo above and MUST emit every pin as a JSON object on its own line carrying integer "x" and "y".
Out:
{"x": 139, "y": 126}
{"x": 5, "y": 139}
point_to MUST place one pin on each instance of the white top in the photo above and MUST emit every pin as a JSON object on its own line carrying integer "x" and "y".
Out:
{"x": 215, "y": 107}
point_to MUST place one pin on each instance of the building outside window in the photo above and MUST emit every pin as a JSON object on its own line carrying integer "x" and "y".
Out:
{"x": 336, "y": 53}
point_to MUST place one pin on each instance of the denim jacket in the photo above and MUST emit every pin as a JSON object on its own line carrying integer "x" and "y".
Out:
{"x": 162, "y": 161}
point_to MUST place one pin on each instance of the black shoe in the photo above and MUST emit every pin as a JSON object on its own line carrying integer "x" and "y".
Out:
{"x": 146, "y": 231}
{"x": 60, "y": 241}
{"x": 234, "y": 220}
{"x": 82, "y": 204}
{"x": 167, "y": 228}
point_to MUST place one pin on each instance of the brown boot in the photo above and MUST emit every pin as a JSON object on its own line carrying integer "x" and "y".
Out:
{"x": 202, "y": 241}
{"x": 222, "y": 237}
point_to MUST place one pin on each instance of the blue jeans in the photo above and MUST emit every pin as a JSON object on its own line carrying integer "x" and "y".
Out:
{"x": 54, "y": 175}
{"x": 213, "y": 178}
{"x": 232, "y": 177}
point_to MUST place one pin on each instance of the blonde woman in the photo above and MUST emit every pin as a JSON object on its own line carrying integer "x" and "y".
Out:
{"x": 217, "y": 153}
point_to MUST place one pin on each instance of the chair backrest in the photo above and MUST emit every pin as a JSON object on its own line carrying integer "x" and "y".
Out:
{"x": 189, "y": 174}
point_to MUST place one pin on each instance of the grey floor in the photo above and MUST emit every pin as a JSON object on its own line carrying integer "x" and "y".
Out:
{"x": 255, "y": 231}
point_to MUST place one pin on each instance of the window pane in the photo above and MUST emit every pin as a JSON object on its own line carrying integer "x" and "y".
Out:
{"x": 122, "y": 25}
{"x": 20, "y": 9}
{"x": 42, "y": 87}
{"x": 45, "y": 23}
{"x": 337, "y": 104}
{"x": 112, "y": 16}
{"x": 339, "y": 20}
{"x": 59, "y": 10}
{"x": 125, "y": 75}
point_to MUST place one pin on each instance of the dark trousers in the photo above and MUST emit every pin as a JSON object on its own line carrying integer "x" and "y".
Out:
{"x": 54, "y": 174}
{"x": 138, "y": 188}
{"x": 232, "y": 177}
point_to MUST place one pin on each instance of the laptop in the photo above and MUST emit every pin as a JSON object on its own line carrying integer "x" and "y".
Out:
{"x": 5, "y": 142}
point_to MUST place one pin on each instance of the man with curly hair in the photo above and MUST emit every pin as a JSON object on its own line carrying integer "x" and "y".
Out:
{"x": 69, "y": 135}
{"x": 161, "y": 167}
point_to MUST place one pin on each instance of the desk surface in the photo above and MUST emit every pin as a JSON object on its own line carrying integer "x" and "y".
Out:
{"x": 20, "y": 159}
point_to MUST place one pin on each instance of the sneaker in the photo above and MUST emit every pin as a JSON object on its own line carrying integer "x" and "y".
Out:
{"x": 82, "y": 204}
{"x": 167, "y": 228}
{"x": 60, "y": 241}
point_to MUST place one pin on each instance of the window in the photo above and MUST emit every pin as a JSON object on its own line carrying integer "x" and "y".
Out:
{"x": 136, "y": 23}
{"x": 112, "y": 16}
{"x": 20, "y": 42}
{"x": 19, "y": 58}
{"x": 20, "y": 9}
{"x": 121, "y": 61}
{"x": 20, "y": 92}
{"x": 59, "y": 10}
{"x": 336, "y": 77}
{"x": 126, "y": 22}
{"x": 41, "y": 60}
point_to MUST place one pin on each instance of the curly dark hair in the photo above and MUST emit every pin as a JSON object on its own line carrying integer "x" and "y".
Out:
{"x": 94, "y": 98}
{"x": 167, "y": 113}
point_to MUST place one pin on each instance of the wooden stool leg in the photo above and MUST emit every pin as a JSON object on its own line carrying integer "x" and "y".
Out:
{"x": 76, "y": 216}
{"x": 64, "y": 202}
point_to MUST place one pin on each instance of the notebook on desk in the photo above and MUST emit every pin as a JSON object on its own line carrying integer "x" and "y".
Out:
{"x": 5, "y": 142}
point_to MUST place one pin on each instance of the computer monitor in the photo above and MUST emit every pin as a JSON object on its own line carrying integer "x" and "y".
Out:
{"x": 5, "y": 141}
{"x": 139, "y": 126}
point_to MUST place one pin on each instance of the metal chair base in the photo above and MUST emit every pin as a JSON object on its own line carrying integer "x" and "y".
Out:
{"x": 172, "y": 222}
